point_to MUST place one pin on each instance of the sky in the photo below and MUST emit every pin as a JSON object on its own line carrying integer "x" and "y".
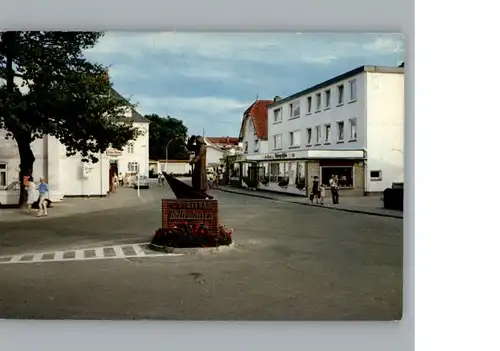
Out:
{"x": 208, "y": 80}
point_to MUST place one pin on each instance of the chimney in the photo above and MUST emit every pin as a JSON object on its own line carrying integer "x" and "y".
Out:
{"x": 276, "y": 98}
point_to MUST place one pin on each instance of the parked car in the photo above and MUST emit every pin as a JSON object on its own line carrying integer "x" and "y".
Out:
{"x": 141, "y": 182}
{"x": 10, "y": 195}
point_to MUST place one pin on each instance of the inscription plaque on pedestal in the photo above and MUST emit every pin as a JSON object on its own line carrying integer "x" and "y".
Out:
{"x": 196, "y": 212}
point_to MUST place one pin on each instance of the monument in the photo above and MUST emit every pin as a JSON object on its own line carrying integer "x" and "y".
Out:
{"x": 193, "y": 217}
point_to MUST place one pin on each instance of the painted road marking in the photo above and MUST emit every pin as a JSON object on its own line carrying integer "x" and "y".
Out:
{"x": 89, "y": 254}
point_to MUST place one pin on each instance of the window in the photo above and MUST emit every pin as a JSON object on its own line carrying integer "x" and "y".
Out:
{"x": 277, "y": 142}
{"x": 274, "y": 172}
{"x": 274, "y": 169}
{"x": 130, "y": 148}
{"x": 277, "y": 115}
{"x": 309, "y": 104}
{"x": 354, "y": 128}
{"x": 341, "y": 94}
{"x": 352, "y": 88}
{"x": 340, "y": 131}
{"x": 345, "y": 174}
{"x": 3, "y": 175}
{"x": 318, "y": 102}
{"x": 328, "y": 133}
{"x": 295, "y": 109}
{"x": 133, "y": 167}
{"x": 318, "y": 134}
{"x": 256, "y": 145}
{"x": 309, "y": 136}
{"x": 295, "y": 138}
{"x": 375, "y": 175}
{"x": 328, "y": 98}
{"x": 245, "y": 146}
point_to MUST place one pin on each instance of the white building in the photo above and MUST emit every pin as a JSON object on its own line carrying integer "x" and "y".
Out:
{"x": 176, "y": 167}
{"x": 214, "y": 156}
{"x": 351, "y": 125}
{"x": 253, "y": 137}
{"x": 68, "y": 176}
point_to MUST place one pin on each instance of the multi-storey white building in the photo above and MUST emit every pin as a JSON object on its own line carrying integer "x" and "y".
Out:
{"x": 351, "y": 126}
{"x": 68, "y": 176}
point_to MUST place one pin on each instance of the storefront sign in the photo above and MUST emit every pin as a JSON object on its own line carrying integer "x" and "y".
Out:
{"x": 113, "y": 152}
{"x": 280, "y": 155}
{"x": 195, "y": 212}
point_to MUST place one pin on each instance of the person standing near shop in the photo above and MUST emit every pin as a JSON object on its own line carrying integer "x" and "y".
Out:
{"x": 334, "y": 186}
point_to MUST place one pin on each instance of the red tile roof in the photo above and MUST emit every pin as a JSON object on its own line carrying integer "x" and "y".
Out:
{"x": 258, "y": 113}
{"x": 223, "y": 140}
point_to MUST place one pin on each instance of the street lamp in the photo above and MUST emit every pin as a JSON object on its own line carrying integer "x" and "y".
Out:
{"x": 139, "y": 176}
{"x": 166, "y": 150}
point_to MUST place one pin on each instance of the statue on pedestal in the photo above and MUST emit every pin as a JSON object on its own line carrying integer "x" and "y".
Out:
{"x": 199, "y": 163}
{"x": 198, "y": 188}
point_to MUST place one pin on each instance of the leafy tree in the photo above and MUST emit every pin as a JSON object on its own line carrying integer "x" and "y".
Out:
{"x": 163, "y": 130}
{"x": 64, "y": 95}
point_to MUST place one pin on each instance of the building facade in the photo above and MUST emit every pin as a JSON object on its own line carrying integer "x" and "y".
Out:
{"x": 68, "y": 176}
{"x": 253, "y": 138}
{"x": 351, "y": 126}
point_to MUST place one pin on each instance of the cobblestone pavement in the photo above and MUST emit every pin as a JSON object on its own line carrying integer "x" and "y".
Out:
{"x": 288, "y": 262}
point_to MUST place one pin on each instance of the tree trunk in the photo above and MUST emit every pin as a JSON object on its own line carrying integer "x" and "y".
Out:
{"x": 23, "y": 139}
{"x": 26, "y": 165}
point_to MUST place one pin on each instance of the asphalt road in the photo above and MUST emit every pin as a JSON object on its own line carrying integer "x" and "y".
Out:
{"x": 289, "y": 262}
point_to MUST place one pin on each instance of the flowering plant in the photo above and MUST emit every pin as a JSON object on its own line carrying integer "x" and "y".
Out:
{"x": 191, "y": 235}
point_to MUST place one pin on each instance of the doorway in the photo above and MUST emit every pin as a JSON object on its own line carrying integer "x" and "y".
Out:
{"x": 113, "y": 169}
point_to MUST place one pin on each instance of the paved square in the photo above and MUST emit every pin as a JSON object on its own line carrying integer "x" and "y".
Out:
{"x": 289, "y": 262}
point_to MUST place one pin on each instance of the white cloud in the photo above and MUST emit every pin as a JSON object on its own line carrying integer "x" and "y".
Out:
{"x": 322, "y": 60}
{"x": 384, "y": 44}
{"x": 259, "y": 47}
{"x": 172, "y": 105}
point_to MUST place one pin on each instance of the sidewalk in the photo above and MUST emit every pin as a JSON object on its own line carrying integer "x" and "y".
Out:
{"x": 123, "y": 198}
{"x": 370, "y": 205}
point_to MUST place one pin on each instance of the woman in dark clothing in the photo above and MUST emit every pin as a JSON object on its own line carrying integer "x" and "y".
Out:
{"x": 315, "y": 192}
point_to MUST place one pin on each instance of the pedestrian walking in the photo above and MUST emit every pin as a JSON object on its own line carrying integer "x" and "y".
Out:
{"x": 315, "y": 192}
{"x": 334, "y": 186}
{"x": 120, "y": 179}
{"x": 43, "y": 189}
{"x": 31, "y": 192}
{"x": 114, "y": 183}
{"x": 161, "y": 179}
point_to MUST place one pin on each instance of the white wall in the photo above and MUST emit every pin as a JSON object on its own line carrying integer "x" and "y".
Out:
{"x": 73, "y": 182}
{"x": 327, "y": 115}
{"x": 140, "y": 152}
{"x": 214, "y": 155}
{"x": 385, "y": 129}
{"x": 177, "y": 167}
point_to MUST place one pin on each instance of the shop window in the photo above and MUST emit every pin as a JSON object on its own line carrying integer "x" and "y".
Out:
{"x": 345, "y": 174}
{"x": 274, "y": 172}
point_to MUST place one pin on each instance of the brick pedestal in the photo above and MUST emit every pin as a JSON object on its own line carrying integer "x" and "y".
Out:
{"x": 178, "y": 211}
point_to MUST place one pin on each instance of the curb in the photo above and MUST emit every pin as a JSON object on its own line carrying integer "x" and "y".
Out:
{"x": 185, "y": 250}
{"x": 312, "y": 205}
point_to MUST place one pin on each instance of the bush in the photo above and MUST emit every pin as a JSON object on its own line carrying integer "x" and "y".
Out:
{"x": 188, "y": 236}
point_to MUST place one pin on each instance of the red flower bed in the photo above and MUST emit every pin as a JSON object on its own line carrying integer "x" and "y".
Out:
{"x": 188, "y": 235}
